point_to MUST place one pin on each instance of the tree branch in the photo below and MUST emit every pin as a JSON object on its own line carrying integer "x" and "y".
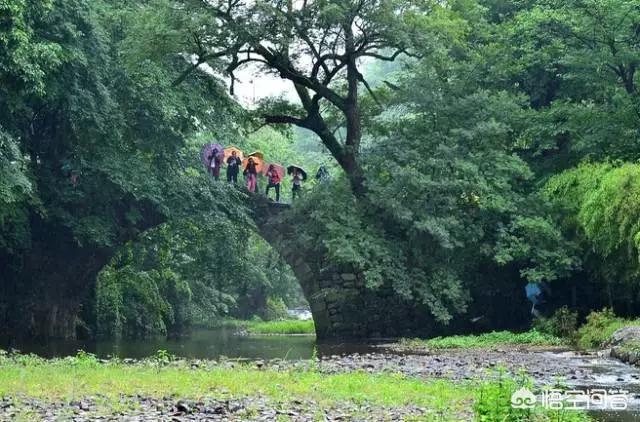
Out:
{"x": 288, "y": 72}
{"x": 282, "y": 119}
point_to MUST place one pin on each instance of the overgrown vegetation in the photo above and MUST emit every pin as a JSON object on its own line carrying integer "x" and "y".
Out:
{"x": 563, "y": 323}
{"x": 474, "y": 146}
{"x": 599, "y": 327}
{"x": 487, "y": 340}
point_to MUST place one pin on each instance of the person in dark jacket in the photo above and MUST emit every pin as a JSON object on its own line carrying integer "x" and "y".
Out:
{"x": 323, "y": 175}
{"x": 215, "y": 163}
{"x": 233, "y": 167}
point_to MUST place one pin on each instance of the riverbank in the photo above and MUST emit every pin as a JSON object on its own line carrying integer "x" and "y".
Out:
{"x": 161, "y": 388}
{"x": 486, "y": 340}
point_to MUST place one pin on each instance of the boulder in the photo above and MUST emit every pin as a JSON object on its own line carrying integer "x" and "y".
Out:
{"x": 625, "y": 344}
{"x": 624, "y": 336}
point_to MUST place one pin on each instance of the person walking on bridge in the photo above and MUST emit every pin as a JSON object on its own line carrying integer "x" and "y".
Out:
{"x": 251, "y": 173}
{"x": 273, "y": 181}
{"x": 233, "y": 167}
{"x": 215, "y": 163}
{"x": 297, "y": 184}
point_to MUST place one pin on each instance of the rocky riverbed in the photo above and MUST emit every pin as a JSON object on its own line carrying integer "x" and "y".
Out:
{"x": 148, "y": 409}
{"x": 545, "y": 366}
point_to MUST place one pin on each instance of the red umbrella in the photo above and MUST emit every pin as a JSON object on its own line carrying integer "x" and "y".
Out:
{"x": 278, "y": 169}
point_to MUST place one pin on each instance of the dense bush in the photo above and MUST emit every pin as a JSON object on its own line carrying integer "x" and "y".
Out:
{"x": 563, "y": 323}
{"x": 599, "y": 327}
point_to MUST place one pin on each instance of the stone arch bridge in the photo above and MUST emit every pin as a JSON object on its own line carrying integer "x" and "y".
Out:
{"x": 341, "y": 305}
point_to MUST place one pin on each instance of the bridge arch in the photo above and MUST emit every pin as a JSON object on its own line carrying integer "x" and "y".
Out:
{"x": 341, "y": 304}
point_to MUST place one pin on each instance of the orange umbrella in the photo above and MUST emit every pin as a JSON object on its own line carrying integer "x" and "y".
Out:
{"x": 259, "y": 163}
{"x": 228, "y": 151}
{"x": 258, "y": 154}
{"x": 277, "y": 167}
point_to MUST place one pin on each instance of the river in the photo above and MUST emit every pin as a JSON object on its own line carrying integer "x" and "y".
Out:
{"x": 581, "y": 371}
{"x": 200, "y": 344}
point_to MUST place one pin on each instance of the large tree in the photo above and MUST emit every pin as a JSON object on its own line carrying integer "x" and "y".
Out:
{"x": 88, "y": 139}
{"x": 320, "y": 46}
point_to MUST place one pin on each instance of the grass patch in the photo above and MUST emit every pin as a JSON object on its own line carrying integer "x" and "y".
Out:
{"x": 487, "y": 340}
{"x": 74, "y": 378}
{"x": 599, "y": 328}
{"x": 289, "y": 326}
{"x": 280, "y": 327}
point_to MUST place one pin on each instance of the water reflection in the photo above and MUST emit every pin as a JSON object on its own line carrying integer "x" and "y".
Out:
{"x": 201, "y": 344}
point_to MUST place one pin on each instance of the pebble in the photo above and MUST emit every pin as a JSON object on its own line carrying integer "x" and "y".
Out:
{"x": 147, "y": 409}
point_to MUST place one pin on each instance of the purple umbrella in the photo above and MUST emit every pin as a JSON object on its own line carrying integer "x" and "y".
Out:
{"x": 207, "y": 149}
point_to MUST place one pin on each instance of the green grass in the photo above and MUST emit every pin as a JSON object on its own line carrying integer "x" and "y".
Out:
{"x": 74, "y": 378}
{"x": 487, "y": 340}
{"x": 281, "y": 327}
{"x": 292, "y": 326}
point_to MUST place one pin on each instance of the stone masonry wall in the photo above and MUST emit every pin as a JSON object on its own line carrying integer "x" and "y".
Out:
{"x": 342, "y": 306}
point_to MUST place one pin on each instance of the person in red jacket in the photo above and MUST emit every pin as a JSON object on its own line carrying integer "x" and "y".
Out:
{"x": 274, "y": 181}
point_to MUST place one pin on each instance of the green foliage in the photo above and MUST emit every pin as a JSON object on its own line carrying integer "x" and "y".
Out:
{"x": 163, "y": 357}
{"x": 488, "y": 340}
{"x": 503, "y": 152}
{"x": 275, "y": 309}
{"x": 599, "y": 327}
{"x": 493, "y": 403}
{"x": 450, "y": 197}
{"x": 608, "y": 212}
{"x": 27, "y": 58}
{"x": 281, "y": 327}
{"x": 15, "y": 192}
{"x": 598, "y": 205}
{"x": 540, "y": 248}
{"x": 563, "y": 323}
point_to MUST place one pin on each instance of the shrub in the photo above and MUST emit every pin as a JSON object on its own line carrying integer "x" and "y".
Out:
{"x": 599, "y": 328}
{"x": 563, "y": 323}
{"x": 275, "y": 309}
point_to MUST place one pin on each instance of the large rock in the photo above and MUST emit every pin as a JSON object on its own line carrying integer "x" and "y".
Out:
{"x": 625, "y": 344}
{"x": 624, "y": 335}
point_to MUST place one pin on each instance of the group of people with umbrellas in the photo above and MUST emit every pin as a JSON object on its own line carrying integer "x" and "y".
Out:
{"x": 215, "y": 155}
